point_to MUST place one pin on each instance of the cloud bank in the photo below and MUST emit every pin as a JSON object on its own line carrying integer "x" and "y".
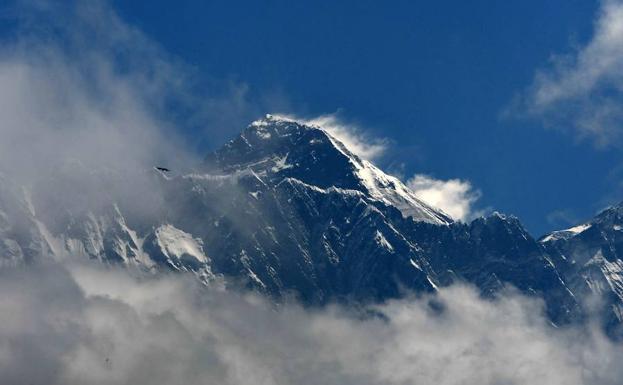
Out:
{"x": 76, "y": 95}
{"x": 456, "y": 197}
{"x": 90, "y": 105}
{"x": 79, "y": 324}
{"x": 583, "y": 90}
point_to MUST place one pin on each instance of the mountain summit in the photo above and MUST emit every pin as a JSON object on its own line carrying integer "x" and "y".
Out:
{"x": 590, "y": 256}
{"x": 278, "y": 148}
{"x": 286, "y": 209}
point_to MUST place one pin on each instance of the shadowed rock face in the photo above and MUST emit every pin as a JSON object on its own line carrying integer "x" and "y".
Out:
{"x": 590, "y": 257}
{"x": 286, "y": 209}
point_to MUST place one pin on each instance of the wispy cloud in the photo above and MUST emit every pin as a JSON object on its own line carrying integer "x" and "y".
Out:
{"x": 583, "y": 90}
{"x": 78, "y": 83}
{"x": 356, "y": 139}
{"x": 75, "y": 94}
{"x": 456, "y": 197}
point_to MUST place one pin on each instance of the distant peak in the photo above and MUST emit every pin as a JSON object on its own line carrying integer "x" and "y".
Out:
{"x": 565, "y": 234}
{"x": 617, "y": 208}
{"x": 497, "y": 217}
{"x": 609, "y": 216}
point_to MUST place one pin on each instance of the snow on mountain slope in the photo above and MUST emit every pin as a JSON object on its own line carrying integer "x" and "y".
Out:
{"x": 591, "y": 257}
{"x": 30, "y": 231}
{"x": 352, "y": 230}
{"x": 281, "y": 147}
{"x": 391, "y": 191}
{"x": 177, "y": 244}
{"x": 565, "y": 234}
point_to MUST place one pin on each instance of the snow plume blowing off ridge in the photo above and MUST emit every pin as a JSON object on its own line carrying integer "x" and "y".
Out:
{"x": 455, "y": 197}
{"x": 79, "y": 324}
{"x": 358, "y": 141}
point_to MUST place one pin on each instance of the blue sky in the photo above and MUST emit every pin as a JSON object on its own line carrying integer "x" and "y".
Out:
{"x": 452, "y": 88}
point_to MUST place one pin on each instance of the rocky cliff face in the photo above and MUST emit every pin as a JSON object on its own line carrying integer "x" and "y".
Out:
{"x": 590, "y": 257}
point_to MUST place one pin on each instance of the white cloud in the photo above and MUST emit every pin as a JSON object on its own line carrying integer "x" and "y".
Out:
{"x": 82, "y": 95}
{"x": 83, "y": 324}
{"x": 78, "y": 84}
{"x": 454, "y": 196}
{"x": 89, "y": 104}
{"x": 357, "y": 140}
{"x": 584, "y": 89}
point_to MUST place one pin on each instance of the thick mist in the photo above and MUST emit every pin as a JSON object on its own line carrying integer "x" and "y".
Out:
{"x": 90, "y": 105}
{"x": 76, "y": 97}
{"x": 77, "y": 324}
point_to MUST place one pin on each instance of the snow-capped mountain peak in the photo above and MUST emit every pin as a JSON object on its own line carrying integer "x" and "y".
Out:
{"x": 277, "y": 147}
{"x": 286, "y": 207}
{"x": 566, "y": 233}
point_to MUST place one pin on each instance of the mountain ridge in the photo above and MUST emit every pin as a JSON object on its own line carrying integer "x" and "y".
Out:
{"x": 285, "y": 208}
{"x": 267, "y": 144}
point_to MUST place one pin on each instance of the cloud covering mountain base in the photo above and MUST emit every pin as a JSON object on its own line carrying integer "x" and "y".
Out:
{"x": 77, "y": 324}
